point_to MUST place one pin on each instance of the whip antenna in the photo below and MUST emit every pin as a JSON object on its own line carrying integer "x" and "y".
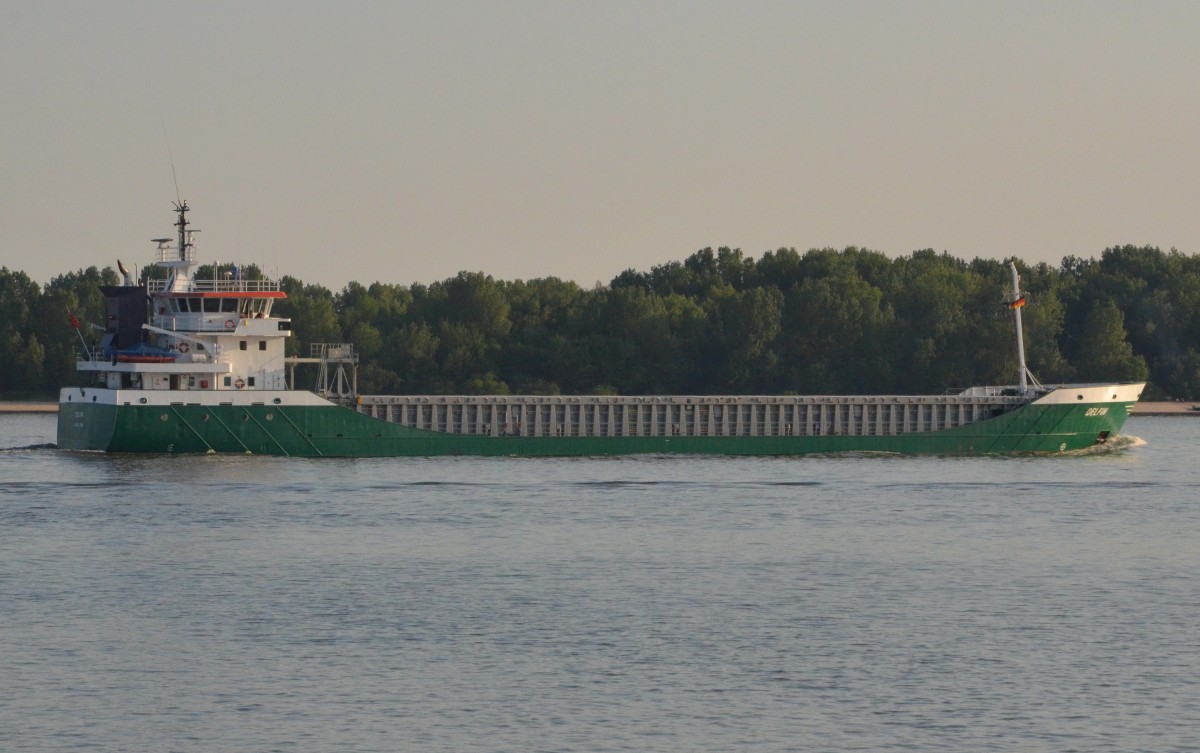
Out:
{"x": 170, "y": 155}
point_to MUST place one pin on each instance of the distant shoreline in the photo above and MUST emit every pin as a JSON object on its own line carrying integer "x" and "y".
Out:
{"x": 28, "y": 406}
{"x": 1165, "y": 409}
{"x": 1142, "y": 409}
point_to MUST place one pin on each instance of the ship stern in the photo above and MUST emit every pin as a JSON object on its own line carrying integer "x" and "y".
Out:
{"x": 86, "y": 419}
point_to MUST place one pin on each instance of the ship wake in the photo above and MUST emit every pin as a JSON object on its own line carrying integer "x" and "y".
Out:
{"x": 29, "y": 448}
{"x": 1119, "y": 443}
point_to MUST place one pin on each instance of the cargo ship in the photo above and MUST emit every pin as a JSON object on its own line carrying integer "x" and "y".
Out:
{"x": 190, "y": 365}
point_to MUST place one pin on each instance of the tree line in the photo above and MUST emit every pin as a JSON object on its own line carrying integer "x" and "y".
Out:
{"x": 825, "y": 321}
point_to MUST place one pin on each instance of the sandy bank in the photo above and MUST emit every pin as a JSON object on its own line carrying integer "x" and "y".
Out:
{"x": 20, "y": 406}
{"x": 1165, "y": 409}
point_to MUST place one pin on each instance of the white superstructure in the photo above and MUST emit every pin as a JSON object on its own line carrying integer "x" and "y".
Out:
{"x": 183, "y": 333}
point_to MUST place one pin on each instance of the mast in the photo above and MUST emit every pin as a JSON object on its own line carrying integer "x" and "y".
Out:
{"x": 182, "y": 224}
{"x": 1018, "y": 301}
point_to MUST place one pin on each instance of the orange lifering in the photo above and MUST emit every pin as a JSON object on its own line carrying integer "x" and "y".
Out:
{"x": 184, "y": 347}
{"x": 239, "y": 383}
{"x": 230, "y": 325}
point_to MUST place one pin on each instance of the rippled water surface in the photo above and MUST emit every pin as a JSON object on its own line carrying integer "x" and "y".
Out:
{"x": 816, "y": 604}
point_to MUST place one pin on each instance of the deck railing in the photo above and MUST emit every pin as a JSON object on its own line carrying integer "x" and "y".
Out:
{"x": 169, "y": 254}
{"x": 219, "y": 286}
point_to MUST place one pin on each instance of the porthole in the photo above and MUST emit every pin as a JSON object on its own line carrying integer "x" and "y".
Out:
{"x": 142, "y": 400}
{"x": 277, "y": 401}
{"x": 270, "y": 416}
{"x": 1079, "y": 397}
{"x": 245, "y": 417}
{"x": 163, "y": 417}
{"x": 204, "y": 418}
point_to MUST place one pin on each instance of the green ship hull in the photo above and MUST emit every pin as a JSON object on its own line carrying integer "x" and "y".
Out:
{"x": 329, "y": 430}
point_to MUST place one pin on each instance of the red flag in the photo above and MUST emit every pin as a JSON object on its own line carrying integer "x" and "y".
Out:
{"x": 74, "y": 319}
{"x": 1017, "y": 303}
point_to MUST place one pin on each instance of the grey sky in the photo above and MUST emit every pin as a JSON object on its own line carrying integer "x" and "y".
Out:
{"x": 408, "y": 141}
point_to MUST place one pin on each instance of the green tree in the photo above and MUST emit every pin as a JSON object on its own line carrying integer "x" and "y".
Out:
{"x": 18, "y": 296}
{"x": 1104, "y": 352}
{"x": 313, "y": 313}
{"x": 827, "y": 320}
{"x": 744, "y": 327}
{"x": 79, "y": 293}
{"x": 412, "y": 356}
{"x": 837, "y": 334}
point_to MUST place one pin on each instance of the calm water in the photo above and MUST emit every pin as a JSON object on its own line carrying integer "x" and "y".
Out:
{"x": 816, "y": 604}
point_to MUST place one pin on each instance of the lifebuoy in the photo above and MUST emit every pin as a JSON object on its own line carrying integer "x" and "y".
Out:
{"x": 184, "y": 347}
{"x": 230, "y": 325}
{"x": 239, "y": 383}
